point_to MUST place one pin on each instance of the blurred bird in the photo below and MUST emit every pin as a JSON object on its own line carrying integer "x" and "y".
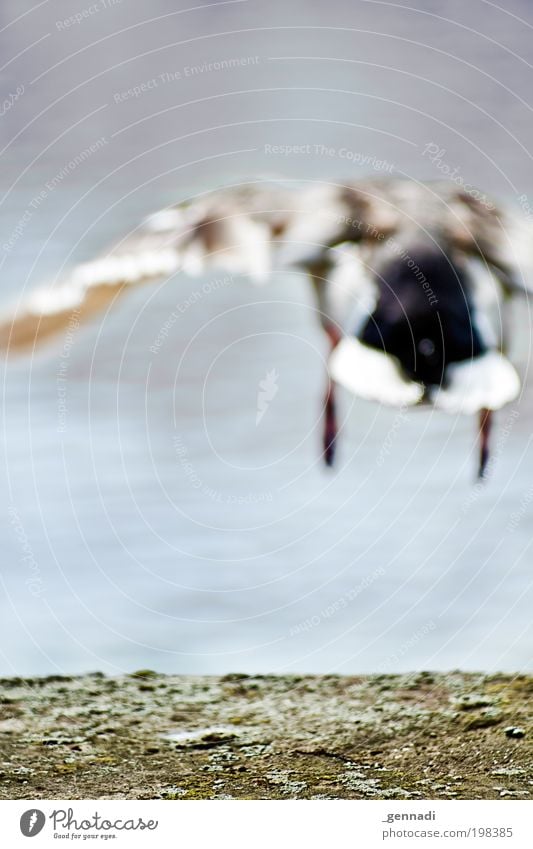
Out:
{"x": 412, "y": 283}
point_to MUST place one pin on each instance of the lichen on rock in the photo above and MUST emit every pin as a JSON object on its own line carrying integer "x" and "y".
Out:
{"x": 150, "y": 736}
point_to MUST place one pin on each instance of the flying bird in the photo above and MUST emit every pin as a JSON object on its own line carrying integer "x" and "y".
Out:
{"x": 412, "y": 283}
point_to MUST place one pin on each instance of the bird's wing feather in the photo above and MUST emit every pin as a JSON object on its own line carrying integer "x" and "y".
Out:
{"x": 372, "y": 375}
{"x": 219, "y": 231}
{"x": 483, "y": 383}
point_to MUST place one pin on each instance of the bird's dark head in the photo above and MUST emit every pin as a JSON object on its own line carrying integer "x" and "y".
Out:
{"x": 423, "y": 316}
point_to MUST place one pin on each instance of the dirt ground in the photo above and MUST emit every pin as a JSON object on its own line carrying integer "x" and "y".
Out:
{"x": 149, "y": 736}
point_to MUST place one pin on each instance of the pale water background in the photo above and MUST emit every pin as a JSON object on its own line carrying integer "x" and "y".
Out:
{"x": 152, "y": 522}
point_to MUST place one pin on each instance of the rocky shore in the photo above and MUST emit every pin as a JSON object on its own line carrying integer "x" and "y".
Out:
{"x": 150, "y": 736}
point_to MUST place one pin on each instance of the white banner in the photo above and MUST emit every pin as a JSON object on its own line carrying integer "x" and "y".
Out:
{"x": 272, "y": 825}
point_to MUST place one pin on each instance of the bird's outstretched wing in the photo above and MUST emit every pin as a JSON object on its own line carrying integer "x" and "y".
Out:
{"x": 248, "y": 229}
{"x": 221, "y": 229}
{"x": 238, "y": 229}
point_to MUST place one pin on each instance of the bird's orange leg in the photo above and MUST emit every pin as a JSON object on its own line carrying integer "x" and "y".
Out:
{"x": 485, "y": 423}
{"x": 330, "y": 425}
{"x": 330, "y": 411}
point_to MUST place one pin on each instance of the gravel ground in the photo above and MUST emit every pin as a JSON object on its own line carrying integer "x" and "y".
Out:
{"x": 149, "y": 736}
